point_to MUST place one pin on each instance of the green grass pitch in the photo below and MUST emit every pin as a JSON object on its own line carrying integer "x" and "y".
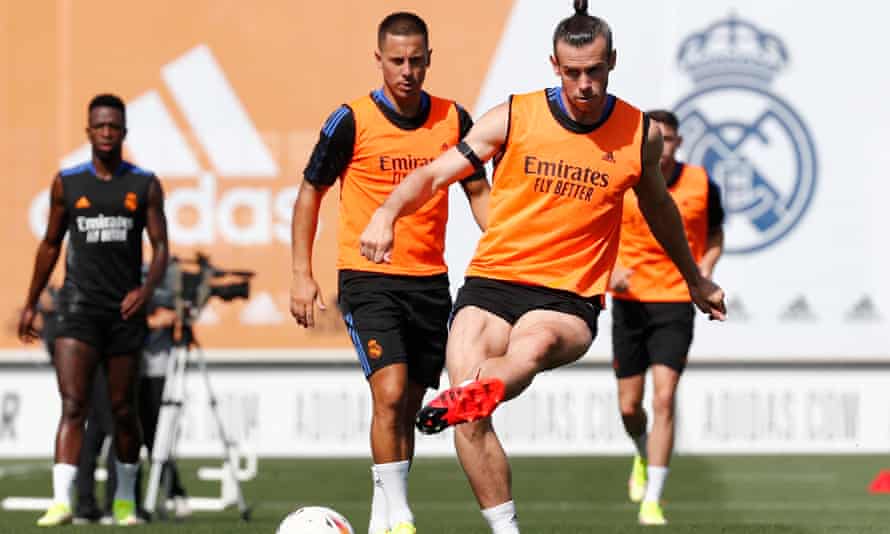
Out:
{"x": 732, "y": 494}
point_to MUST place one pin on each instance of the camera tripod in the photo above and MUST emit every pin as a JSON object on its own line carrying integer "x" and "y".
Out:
{"x": 169, "y": 421}
{"x": 186, "y": 349}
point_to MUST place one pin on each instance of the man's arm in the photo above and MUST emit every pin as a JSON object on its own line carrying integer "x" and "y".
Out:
{"x": 477, "y": 192}
{"x": 484, "y": 139}
{"x": 664, "y": 220}
{"x": 476, "y": 186}
{"x": 713, "y": 251}
{"x": 304, "y": 289}
{"x": 156, "y": 227}
{"x": 329, "y": 159}
{"x": 714, "y": 246}
{"x": 45, "y": 261}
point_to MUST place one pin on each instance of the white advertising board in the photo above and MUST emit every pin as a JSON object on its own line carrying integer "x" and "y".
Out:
{"x": 300, "y": 411}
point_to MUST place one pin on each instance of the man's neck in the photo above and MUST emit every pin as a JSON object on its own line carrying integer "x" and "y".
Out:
{"x": 406, "y": 107}
{"x": 105, "y": 169}
{"x": 587, "y": 118}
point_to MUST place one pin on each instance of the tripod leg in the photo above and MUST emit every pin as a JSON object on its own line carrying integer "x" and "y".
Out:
{"x": 168, "y": 423}
{"x": 232, "y": 462}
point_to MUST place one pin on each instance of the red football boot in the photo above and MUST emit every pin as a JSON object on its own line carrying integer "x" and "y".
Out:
{"x": 460, "y": 404}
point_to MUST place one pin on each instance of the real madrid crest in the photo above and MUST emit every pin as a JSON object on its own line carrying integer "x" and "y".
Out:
{"x": 752, "y": 143}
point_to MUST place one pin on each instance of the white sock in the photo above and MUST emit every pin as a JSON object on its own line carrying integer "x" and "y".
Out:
{"x": 657, "y": 476}
{"x": 640, "y": 443}
{"x": 63, "y": 483}
{"x": 394, "y": 476}
{"x": 126, "y": 481}
{"x": 502, "y": 518}
{"x": 379, "y": 508}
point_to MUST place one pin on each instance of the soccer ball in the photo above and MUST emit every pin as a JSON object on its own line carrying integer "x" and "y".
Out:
{"x": 314, "y": 520}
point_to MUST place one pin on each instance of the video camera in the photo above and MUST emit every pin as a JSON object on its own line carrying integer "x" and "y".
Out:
{"x": 194, "y": 281}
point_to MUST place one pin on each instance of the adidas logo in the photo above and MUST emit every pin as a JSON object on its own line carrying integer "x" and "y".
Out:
{"x": 208, "y": 120}
{"x": 864, "y": 310}
{"x": 609, "y": 156}
{"x": 798, "y": 311}
{"x": 82, "y": 203}
{"x": 220, "y": 125}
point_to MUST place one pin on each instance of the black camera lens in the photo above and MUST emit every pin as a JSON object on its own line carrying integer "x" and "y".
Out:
{"x": 231, "y": 291}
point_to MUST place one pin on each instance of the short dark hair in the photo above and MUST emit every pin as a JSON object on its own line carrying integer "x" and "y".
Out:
{"x": 402, "y": 23}
{"x": 665, "y": 117}
{"x": 107, "y": 100}
{"x": 581, "y": 29}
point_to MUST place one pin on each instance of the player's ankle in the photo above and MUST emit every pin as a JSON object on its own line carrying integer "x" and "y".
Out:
{"x": 502, "y": 518}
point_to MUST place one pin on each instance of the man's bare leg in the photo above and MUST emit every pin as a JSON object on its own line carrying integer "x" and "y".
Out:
{"x": 75, "y": 363}
{"x": 540, "y": 340}
{"x": 482, "y": 345}
{"x": 630, "y": 404}
{"x": 475, "y": 336}
{"x": 395, "y": 401}
{"x": 661, "y": 440}
{"x": 123, "y": 372}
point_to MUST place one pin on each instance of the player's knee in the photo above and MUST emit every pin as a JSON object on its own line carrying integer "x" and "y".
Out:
{"x": 389, "y": 399}
{"x": 630, "y": 408}
{"x": 538, "y": 349}
{"x": 123, "y": 412}
{"x": 74, "y": 410}
{"x": 663, "y": 403}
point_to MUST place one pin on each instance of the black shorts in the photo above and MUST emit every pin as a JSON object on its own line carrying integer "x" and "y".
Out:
{"x": 510, "y": 300}
{"x": 397, "y": 319}
{"x": 646, "y": 333}
{"x": 108, "y": 333}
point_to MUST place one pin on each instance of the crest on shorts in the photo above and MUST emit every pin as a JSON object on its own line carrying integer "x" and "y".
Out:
{"x": 375, "y": 350}
{"x": 752, "y": 143}
{"x": 131, "y": 202}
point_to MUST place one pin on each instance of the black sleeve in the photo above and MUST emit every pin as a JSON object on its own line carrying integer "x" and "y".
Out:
{"x": 466, "y": 123}
{"x": 715, "y": 207}
{"x": 333, "y": 151}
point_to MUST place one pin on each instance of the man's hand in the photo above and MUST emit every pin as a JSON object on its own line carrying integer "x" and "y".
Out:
{"x": 162, "y": 318}
{"x": 27, "y": 332}
{"x": 708, "y": 296}
{"x": 377, "y": 239}
{"x": 304, "y": 295}
{"x": 620, "y": 279}
{"x": 133, "y": 302}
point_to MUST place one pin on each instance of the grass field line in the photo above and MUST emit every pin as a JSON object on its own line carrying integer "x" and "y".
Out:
{"x": 570, "y": 506}
{"x": 763, "y": 476}
{"x": 17, "y": 470}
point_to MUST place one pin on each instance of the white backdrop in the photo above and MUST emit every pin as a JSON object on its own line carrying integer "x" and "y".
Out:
{"x": 819, "y": 291}
{"x": 294, "y": 411}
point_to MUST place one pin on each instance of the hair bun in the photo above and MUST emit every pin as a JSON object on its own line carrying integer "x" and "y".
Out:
{"x": 580, "y": 7}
